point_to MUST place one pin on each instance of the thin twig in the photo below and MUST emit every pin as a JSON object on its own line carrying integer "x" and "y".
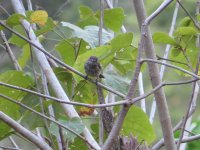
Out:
{"x": 157, "y": 11}
{"x": 172, "y": 66}
{"x": 170, "y": 60}
{"x": 188, "y": 14}
{"x": 9, "y": 148}
{"x": 10, "y": 53}
{"x": 125, "y": 101}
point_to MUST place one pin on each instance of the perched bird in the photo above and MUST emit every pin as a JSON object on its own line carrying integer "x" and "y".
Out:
{"x": 93, "y": 67}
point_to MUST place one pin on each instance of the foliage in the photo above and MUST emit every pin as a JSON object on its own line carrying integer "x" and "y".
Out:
{"x": 82, "y": 41}
{"x": 16, "y": 78}
{"x": 137, "y": 123}
{"x": 184, "y": 51}
{"x": 196, "y": 130}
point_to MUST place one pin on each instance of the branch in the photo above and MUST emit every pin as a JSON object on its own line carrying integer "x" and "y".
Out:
{"x": 184, "y": 140}
{"x": 172, "y": 66}
{"x": 157, "y": 11}
{"x": 24, "y": 132}
{"x": 162, "y": 107}
{"x": 102, "y": 121}
{"x": 125, "y": 101}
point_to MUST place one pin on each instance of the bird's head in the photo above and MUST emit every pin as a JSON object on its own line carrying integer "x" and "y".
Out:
{"x": 93, "y": 59}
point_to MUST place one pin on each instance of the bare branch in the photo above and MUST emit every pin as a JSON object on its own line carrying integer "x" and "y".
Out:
{"x": 184, "y": 140}
{"x": 157, "y": 11}
{"x": 162, "y": 107}
{"x": 172, "y": 66}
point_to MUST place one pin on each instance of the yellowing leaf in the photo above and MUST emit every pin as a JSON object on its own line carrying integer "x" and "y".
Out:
{"x": 40, "y": 17}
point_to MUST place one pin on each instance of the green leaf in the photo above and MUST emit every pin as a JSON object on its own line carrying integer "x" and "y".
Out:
{"x": 85, "y": 12}
{"x": 121, "y": 41}
{"x": 85, "y": 92}
{"x": 119, "y": 83}
{"x": 25, "y": 56}
{"x": 74, "y": 124}
{"x": 163, "y": 38}
{"x": 14, "y": 19}
{"x": 17, "y": 40}
{"x": 113, "y": 18}
{"x": 67, "y": 51}
{"x": 185, "y": 22}
{"x": 16, "y": 78}
{"x": 88, "y": 34}
{"x": 49, "y": 26}
{"x": 92, "y": 20}
{"x": 125, "y": 59}
{"x": 181, "y": 31}
{"x": 137, "y": 123}
{"x": 194, "y": 145}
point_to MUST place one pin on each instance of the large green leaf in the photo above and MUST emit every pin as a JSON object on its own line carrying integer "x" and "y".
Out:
{"x": 17, "y": 78}
{"x": 88, "y": 34}
{"x": 74, "y": 124}
{"x": 122, "y": 41}
{"x": 87, "y": 17}
{"x": 85, "y": 12}
{"x": 113, "y": 18}
{"x": 137, "y": 123}
{"x": 67, "y": 51}
{"x": 163, "y": 38}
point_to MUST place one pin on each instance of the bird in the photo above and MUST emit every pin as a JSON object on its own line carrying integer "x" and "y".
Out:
{"x": 93, "y": 68}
